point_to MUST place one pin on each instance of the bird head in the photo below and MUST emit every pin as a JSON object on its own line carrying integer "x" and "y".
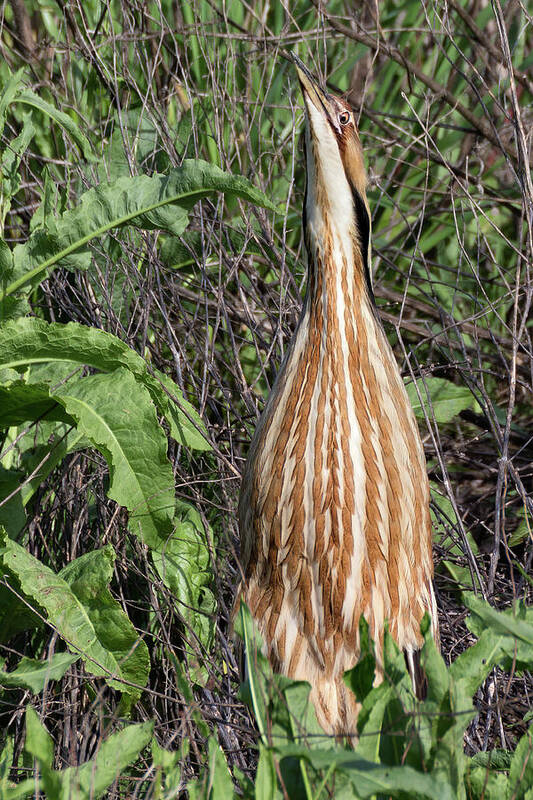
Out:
{"x": 336, "y": 175}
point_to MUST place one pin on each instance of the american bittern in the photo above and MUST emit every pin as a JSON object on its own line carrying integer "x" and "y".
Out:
{"x": 334, "y": 505}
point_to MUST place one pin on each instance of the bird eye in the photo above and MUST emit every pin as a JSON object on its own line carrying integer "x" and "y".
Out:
{"x": 344, "y": 117}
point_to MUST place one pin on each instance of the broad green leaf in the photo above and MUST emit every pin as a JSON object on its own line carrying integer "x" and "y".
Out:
{"x": 50, "y": 202}
{"x": 88, "y": 577}
{"x": 521, "y": 770}
{"x": 266, "y": 782}
{"x": 472, "y": 666}
{"x": 360, "y": 679}
{"x": 220, "y": 785}
{"x": 39, "y": 744}
{"x": 14, "y": 305}
{"x": 20, "y": 403}
{"x": 370, "y": 721}
{"x": 495, "y": 759}
{"x": 36, "y": 343}
{"x": 15, "y": 614}
{"x": 8, "y": 789}
{"x": 369, "y": 778}
{"x": 302, "y": 715}
{"x": 447, "y": 399}
{"x": 482, "y": 782}
{"x": 17, "y": 791}
{"x": 435, "y": 668}
{"x": 52, "y": 373}
{"x": 113, "y": 756}
{"x": 141, "y": 200}
{"x": 383, "y": 718}
{"x": 116, "y": 414}
{"x": 34, "y": 675}
{"x": 29, "y": 341}
{"x": 186, "y": 426}
{"x": 6, "y": 260}
{"x": 63, "y": 611}
{"x": 245, "y": 785}
{"x": 168, "y": 762}
{"x": 451, "y": 719}
{"x": 91, "y": 779}
{"x": 183, "y": 564}
{"x": 12, "y": 515}
{"x": 516, "y": 625}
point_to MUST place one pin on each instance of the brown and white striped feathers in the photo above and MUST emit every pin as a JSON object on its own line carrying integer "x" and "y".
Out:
{"x": 334, "y": 505}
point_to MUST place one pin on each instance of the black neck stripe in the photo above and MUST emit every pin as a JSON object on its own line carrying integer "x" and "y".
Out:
{"x": 363, "y": 228}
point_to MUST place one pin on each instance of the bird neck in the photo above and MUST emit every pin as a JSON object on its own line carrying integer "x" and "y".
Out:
{"x": 337, "y": 248}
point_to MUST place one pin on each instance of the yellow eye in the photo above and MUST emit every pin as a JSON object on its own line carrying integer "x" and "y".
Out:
{"x": 344, "y": 117}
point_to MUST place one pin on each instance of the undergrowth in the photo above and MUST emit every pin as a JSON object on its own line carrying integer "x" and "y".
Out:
{"x": 151, "y": 269}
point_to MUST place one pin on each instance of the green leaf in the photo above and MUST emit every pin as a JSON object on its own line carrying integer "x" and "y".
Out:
{"x": 360, "y": 679}
{"x": 88, "y": 577}
{"x": 141, "y": 200}
{"x": 440, "y": 399}
{"x": 63, "y": 611}
{"x": 35, "y": 675}
{"x": 17, "y": 791}
{"x": 302, "y": 715}
{"x": 10, "y": 165}
{"x": 515, "y": 625}
{"x": 20, "y": 403}
{"x": 369, "y": 778}
{"x": 522, "y": 532}
{"x": 6, "y": 260}
{"x": 183, "y": 563}
{"x": 493, "y": 759}
{"x": 36, "y": 343}
{"x": 168, "y": 763}
{"x": 113, "y": 756}
{"x": 521, "y": 770}
{"x": 371, "y": 719}
{"x": 9, "y": 790}
{"x": 39, "y": 744}
{"x": 12, "y": 86}
{"x": 483, "y": 783}
{"x": 383, "y": 717}
{"x": 116, "y": 414}
{"x": 186, "y": 426}
{"x": 12, "y": 515}
{"x": 220, "y": 785}
{"x": 31, "y": 99}
{"x": 473, "y": 665}
{"x": 258, "y": 670}
{"x": 266, "y": 782}
{"x": 435, "y": 669}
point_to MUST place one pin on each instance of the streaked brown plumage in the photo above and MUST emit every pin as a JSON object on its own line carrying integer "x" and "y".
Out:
{"x": 334, "y": 505}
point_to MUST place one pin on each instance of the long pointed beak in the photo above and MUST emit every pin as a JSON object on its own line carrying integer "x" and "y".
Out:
{"x": 312, "y": 91}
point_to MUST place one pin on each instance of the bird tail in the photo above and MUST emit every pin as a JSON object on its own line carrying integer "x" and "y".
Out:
{"x": 336, "y": 708}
